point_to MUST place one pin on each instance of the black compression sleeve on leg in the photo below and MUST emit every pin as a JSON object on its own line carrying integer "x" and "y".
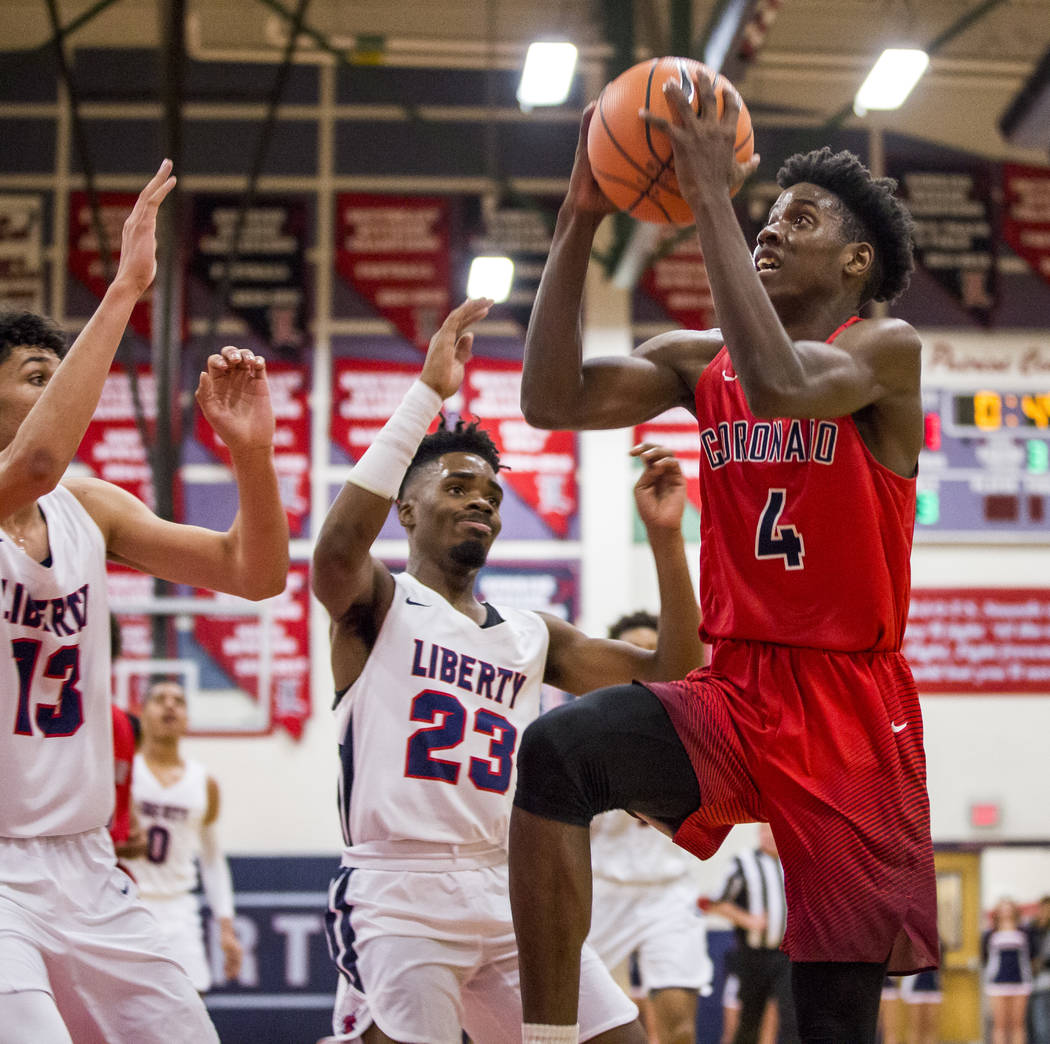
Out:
{"x": 837, "y": 1002}
{"x": 614, "y": 748}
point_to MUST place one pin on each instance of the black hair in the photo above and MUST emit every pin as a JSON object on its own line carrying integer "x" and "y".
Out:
{"x": 156, "y": 680}
{"x": 871, "y": 211}
{"x": 461, "y": 438}
{"x": 33, "y": 331}
{"x": 633, "y": 620}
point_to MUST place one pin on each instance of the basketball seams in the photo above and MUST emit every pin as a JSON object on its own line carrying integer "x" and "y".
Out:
{"x": 624, "y": 150}
{"x": 649, "y": 105}
{"x": 615, "y": 144}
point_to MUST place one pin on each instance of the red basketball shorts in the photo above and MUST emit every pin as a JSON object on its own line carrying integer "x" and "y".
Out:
{"x": 827, "y": 748}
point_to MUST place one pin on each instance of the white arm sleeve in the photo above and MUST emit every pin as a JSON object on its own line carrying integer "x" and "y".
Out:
{"x": 215, "y": 873}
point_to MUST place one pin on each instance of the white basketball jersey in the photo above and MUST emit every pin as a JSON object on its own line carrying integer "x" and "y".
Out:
{"x": 170, "y": 817}
{"x": 429, "y": 732}
{"x": 56, "y": 743}
{"x": 625, "y": 850}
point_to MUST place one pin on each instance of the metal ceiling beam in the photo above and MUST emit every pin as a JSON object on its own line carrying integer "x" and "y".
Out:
{"x": 957, "y": 28}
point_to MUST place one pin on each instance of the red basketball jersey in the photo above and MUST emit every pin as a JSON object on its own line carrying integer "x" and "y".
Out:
{"x": 805, "y": 537}
{"x": 123, "y": 759}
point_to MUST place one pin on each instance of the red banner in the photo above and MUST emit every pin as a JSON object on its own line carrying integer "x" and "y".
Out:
{"x": 979, "y": 640}
{"x": 288, "y": 393}
{"x": 676, "y": 429}
{"x": 235, "y": 643}
{"x": 112, "y": 446}
{"x": 365, "y": 392}
{"x": 394, "y": 250}
{"x": 678, "y": 283}
{"x": 541, "y": 465}
{"x": 85, "y": 257}
{"x": 1026, "y": 214}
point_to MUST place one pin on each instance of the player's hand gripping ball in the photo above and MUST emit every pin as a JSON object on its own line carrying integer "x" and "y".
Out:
{"x": 631, "y": 160}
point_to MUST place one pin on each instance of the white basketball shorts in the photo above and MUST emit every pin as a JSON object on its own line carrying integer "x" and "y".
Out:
{"x": 427, "y": 954}
{"x": 661, "y": 923}
{"x": 71, "y": 926}
{"x": 179, "y": 918}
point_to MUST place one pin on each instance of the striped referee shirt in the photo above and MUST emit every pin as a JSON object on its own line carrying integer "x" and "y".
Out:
{"x": 755, "y": 883}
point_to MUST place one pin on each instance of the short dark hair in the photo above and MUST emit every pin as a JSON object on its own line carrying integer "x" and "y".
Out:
{"x": 633, "y": 620}
{"x": 155, "y": 681}
{"x": 460, "y": 438}
{"x": 872, "y": 212}
{"x": 34, "y": 331}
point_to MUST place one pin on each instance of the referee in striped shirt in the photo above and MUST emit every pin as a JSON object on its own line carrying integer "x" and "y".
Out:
{"x": 752, "y": 899}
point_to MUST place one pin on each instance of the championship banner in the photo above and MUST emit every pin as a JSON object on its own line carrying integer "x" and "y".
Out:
{"x": 288, "y": 394}
{"x": 541, "y": 465}
{"x": 393, "y": 250}
{"x": 85, "y": 256}
{"x": 541, "y": 587}
{"x": 1026, "y": 215}
{"x": 954, "y": 239}
{"x": 267, "y": 285}
{"x": 365, "y": 392}
{"x": 21, "y": 254}
{"x": 980, "y": 640}
{"x": 112, "y": 446}
{"x": 521, "y": 232}
{"x": 677, "y": 282}
{"x": 136, "y": 632}
{"x": 235, "y": 643}
{"x": 676, "y": 429}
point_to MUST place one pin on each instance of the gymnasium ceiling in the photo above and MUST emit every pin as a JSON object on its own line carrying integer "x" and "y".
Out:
{"x": 813, "y": 57}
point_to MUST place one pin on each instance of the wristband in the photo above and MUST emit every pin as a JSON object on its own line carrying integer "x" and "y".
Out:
{"x": 382, "y": 467}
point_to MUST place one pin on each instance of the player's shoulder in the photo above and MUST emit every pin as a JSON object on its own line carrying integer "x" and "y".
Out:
{"x": 682, "y": 348}
{"x": 886, "y": 335}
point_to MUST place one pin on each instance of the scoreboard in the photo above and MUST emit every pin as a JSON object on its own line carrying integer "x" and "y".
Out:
{"x": 984, "y": 470}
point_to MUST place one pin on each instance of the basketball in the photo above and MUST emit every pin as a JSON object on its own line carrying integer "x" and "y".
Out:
{"x": 631, "y": 160}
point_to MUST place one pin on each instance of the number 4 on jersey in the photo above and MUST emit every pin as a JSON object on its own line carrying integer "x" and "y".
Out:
{"x": 774, "y": 541}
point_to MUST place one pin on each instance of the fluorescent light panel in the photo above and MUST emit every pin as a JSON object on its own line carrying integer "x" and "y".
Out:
{"x": 490, "y": 277}
{"x": 891, "y": 79}
{"x": 547, "y": 75}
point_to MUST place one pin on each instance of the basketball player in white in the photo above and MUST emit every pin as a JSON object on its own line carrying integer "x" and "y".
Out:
{"x": 644, "y": 905}
{"x": 79, "y": 958}
{"x": 177, "y": 805}
{"x": 434, "y": 689}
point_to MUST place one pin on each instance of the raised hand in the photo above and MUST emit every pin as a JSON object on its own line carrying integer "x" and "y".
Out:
{"x": 703, "y": 143}
{"x": 234, "y": 397}
{"x": 450, "y": 347}
{"x": 138, "y": 246}
{"x": 660, "y": 491}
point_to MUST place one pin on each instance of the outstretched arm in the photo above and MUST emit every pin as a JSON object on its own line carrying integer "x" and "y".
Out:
{"x": 34, "y": 461}
{"x": 578, "y": 663}
{"x": 354, "y": 587}
{"x": 251, "y": 558}
{"x": 218, "y": 884}
{"x": 867, "y": 364}
{"x": 558, "y": 389}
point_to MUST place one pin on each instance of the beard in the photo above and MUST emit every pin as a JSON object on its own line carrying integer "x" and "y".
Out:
{"x": 471, "y": 554}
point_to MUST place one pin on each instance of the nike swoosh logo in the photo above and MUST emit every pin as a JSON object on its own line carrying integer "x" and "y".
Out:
{"x": 728, "y": 376}
{"x": 898, "y": 728}
{"x": 425, "y": 605}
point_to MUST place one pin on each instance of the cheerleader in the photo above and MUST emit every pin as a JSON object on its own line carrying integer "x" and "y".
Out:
{"x": 921, "y": 994}
{"x": 1006, "y": 956}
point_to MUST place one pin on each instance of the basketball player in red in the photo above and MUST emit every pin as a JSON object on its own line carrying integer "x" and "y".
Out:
{"x": 810, "y": 423}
